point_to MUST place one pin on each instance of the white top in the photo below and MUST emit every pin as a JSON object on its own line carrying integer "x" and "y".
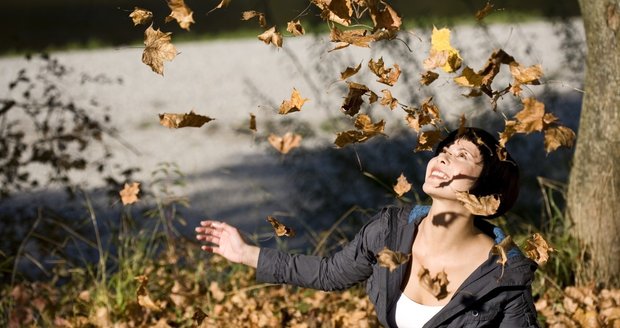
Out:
{"x": 409, "y": 314}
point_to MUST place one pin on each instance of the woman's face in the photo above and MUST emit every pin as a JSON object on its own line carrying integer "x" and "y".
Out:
{"x": 455, "y": 168}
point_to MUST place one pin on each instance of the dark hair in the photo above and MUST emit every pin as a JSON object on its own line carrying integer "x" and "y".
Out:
{"x": 499, "y": 176}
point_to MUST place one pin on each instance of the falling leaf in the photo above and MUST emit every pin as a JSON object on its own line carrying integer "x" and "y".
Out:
{"x": 509, "y": 131}
{"x": 391, "y": 259}
{"x": 142, "y": 294}
{"x": 292, "y": 105}
{"x": 175, "y": 121}
{"x": 157, "y": 49}
{"x": 271, "y": 36}
{"x": 469, "y": 78}
{"x": 129, "y": 194}
{"x": 537, "y": 249}
{"x": 524, "y": 75}
{"x": 338, "y": 11}
{"x": 280, "y": 229}
{"x": 247, "y": 15}
{"x": 502, "y": 250}
{"x": 427, "y": 140}
{"x": 428, "y": 77}
{"x": 385, "y": 18}
{"x": 462, "y": 127}
{"x": 484, "y": 205}
{"x": 482, "y": 13}
{"x": 199, "y": 316}
{"x": 437, "y": 286}
{"x": 295, "y": 28}
{"x": 181, "y": 13}
{"x": 388, "y": 100}
{"x": 222, "y": 4}
{"x": 141, "y": 16}
{"x": 365, "y": 124}
{"x": 253, "y": 122}
{"x": 356, "y": 37}
{"x": 530, "y": 118}
{"x": 440, "y": 47}
{"x": 354, "y": 101}
{"x": 387, "y": 76}
{"x": 428, "y": 113}
{"x": 366, "y": 129}
{"x": 285, "y": 143}
{"x": 350, "y": 71}
{"x": 402, "y": 186}
{"x": 558, "y": 135}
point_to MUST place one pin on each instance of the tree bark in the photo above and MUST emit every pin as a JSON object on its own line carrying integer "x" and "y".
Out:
{"x": 594, "y": 185}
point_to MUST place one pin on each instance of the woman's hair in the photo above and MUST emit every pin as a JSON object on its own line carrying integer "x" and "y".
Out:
{"x": 499, "y": 176}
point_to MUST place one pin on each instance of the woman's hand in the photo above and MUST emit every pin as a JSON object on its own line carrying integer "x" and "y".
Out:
{"x": 227, "y": 242}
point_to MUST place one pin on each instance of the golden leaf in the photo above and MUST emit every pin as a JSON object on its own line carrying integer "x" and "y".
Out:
{"x": 523, "y": 75}
{"x": 247, "y": 15}
{"x": 558, "y": 135}
{"x": 482, "y": 13}
{"x": 157, "y": 49}
{"x": 484, "y": 205}
{"x": 537, "y": 249}
{"x": 402, "y": 186}
{"x": 285, "y": 143}
{"x": 440, "y": 47}
{"x": 350, "y": 71}
{"x": 191, "y": 119}
{"x": 428, "y": 77}
{"x": 427, "y": 140}
{"x": 253, "y": 122}
{"x": 390, "y": 259}
{"x": 280, "y": 229}
{"x": 388, "y": 100}
{"x": 530, "y": 118}
{"x": 271, "y": 36}
{"x": 469, "y": 78}
{"x": 292, "y": 105}
{"x": 181, "y": 13}
{"x": 141, "y": 16}
{"x": 129, "y": 194}
{"x": 437, "y": 286}
{"x": 354, "y": 101}
{"x": 509, "y": 131}
{"x": 365, "y": 124}
{"x": 295, "y": 28}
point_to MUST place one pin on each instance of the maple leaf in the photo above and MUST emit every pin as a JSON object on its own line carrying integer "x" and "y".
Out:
{"x": 440, "y": 47}
{"x": 285, "y": 143}
{"x": 247, "y": 15}
{"x": 350, "y": 71}
{"x": 129, "y": 194}
{"x": 157, "y": 49}
{"x": 427, "y": 140}
{"x": 484, "y": 205}
{"x": 509, "y": 131}
{"x": 428, "y": 113}
{"x": 437, "y": 286}
{"x": 292, "y": 105}
{"x": 356, "y": 37}
{"x": 492, "y": 68}
{"x": 386, "y": 76}
{"x": 280, "y": 229}
{"x": 482, "y": 13}
{"x": 537, "y": 249}
{"x": 402, "y": 186}
{"x": 366, "y": 129}
{"x": 222, "y": 4}
{"x": 469, "y": 78}
{"x": 391, "y": 259}
{"x": 558, "y": 135}
{"x": 295, "y": 28}
{"x": 354, "y": 101}
{"x": 337, "y": 11}
{"x": 386, "y": 18}
{"x": 530, "y": 118}
{"x": 141, "y": 16}
{"x": 428, "y": 77}
{"x": 524, "y": 75}
{"x": 271, "y": 36}
{"x": 253, "y": 122}
{"x": 181, "y": 13}
{"x": 365, "y": 124}
{"x": 175, "y": 121}
{"x": 388, "y": 100}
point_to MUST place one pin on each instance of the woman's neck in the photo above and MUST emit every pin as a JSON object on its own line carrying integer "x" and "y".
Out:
{"x": 447, "y": 227}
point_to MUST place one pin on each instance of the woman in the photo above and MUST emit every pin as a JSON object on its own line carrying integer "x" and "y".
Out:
{"x": 443, "y": 238}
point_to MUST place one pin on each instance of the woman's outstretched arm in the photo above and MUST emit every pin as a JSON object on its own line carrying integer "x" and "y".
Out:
{"x": 226, "y": 241}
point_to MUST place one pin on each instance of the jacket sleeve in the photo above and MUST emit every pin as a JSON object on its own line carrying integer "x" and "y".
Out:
{"x": 342, "y": 270}
{"x": 520, "y": 312}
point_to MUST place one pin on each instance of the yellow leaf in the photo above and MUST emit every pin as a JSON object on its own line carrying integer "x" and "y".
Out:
{"x": 402, "y": 186}
{"x": 285, "y": 143}
{"x": 484, "y": 205}
{"x": 181, "y": 13}
{"x": 141, "y": 16}
{"x": 175, "y": 121}
{"x": 469, "y": 78}
{"x": 157, "y": 49}
{"x": 280, "y": 229}
{"x": 440, "y": 42}
{"x": 391, "y": 259}
{"x": 292, "y": 105}
{"x": 129, "y": 194}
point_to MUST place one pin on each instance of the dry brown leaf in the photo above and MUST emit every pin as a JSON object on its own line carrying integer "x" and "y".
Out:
{"x": 437, "y": 286}
{"x": 176, "y": 120}
{"x": 537, "y": 249}
{"x": 129, "y": 194}
{"x": 385, "y": 18}
{"x": 391, "y": 259}
{"x": 462, "y": 127}
{"x": 427, "y": 140}
{"x": 402, "y": 186}
{"x": 199, "y": 316}
{"x": 388, "y": 100}
{"x": 558, "y": 135}
{"x": 524, "y": 75}
{"x": 181, "y": 13}
{"x": 143, "y": 297}
{"x": 247, "y": 15}
{"x": 387, "y": 76}
{"x": 509, "y": 131}
{"x": 350, "y": 71}
{"x": 530, "y": 118}
{"x": 253, "y": 122}
{"x": 428, "y": 77}
{"x": 285, "y": 143}
{"x": 292, "y": 105}
{"x": 492, "y": 68}
{"x": 354, "y": 101}
{"x": 279, "y": 228}
{"x": 484, "y": 12}
{"x": 141, "y": 16}
{"x": 295, "y": 28}
{"x": 428, "y": 113}
{"x": 222, "y": 4}
{"x": 271, "y": 36}
{"x": 502, "y": 250}
{"x": 357, "y": 37}
{"x": 216, "y": 292}
{"x": 365, "y": 124}
{"x": 157, "y": 49}
{"x": 366, "y": 129}
{"x": 484, "y": 205}
{"x": 337, "y": 11}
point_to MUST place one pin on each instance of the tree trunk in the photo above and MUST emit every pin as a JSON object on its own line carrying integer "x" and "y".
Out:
{"x": 594, "y": 185}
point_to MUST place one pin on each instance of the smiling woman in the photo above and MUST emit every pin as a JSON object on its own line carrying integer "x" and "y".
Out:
{"x": 453, "y": 277}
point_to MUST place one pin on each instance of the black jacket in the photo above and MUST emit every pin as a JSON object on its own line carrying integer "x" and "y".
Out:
{"x": 491, "y": 296}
